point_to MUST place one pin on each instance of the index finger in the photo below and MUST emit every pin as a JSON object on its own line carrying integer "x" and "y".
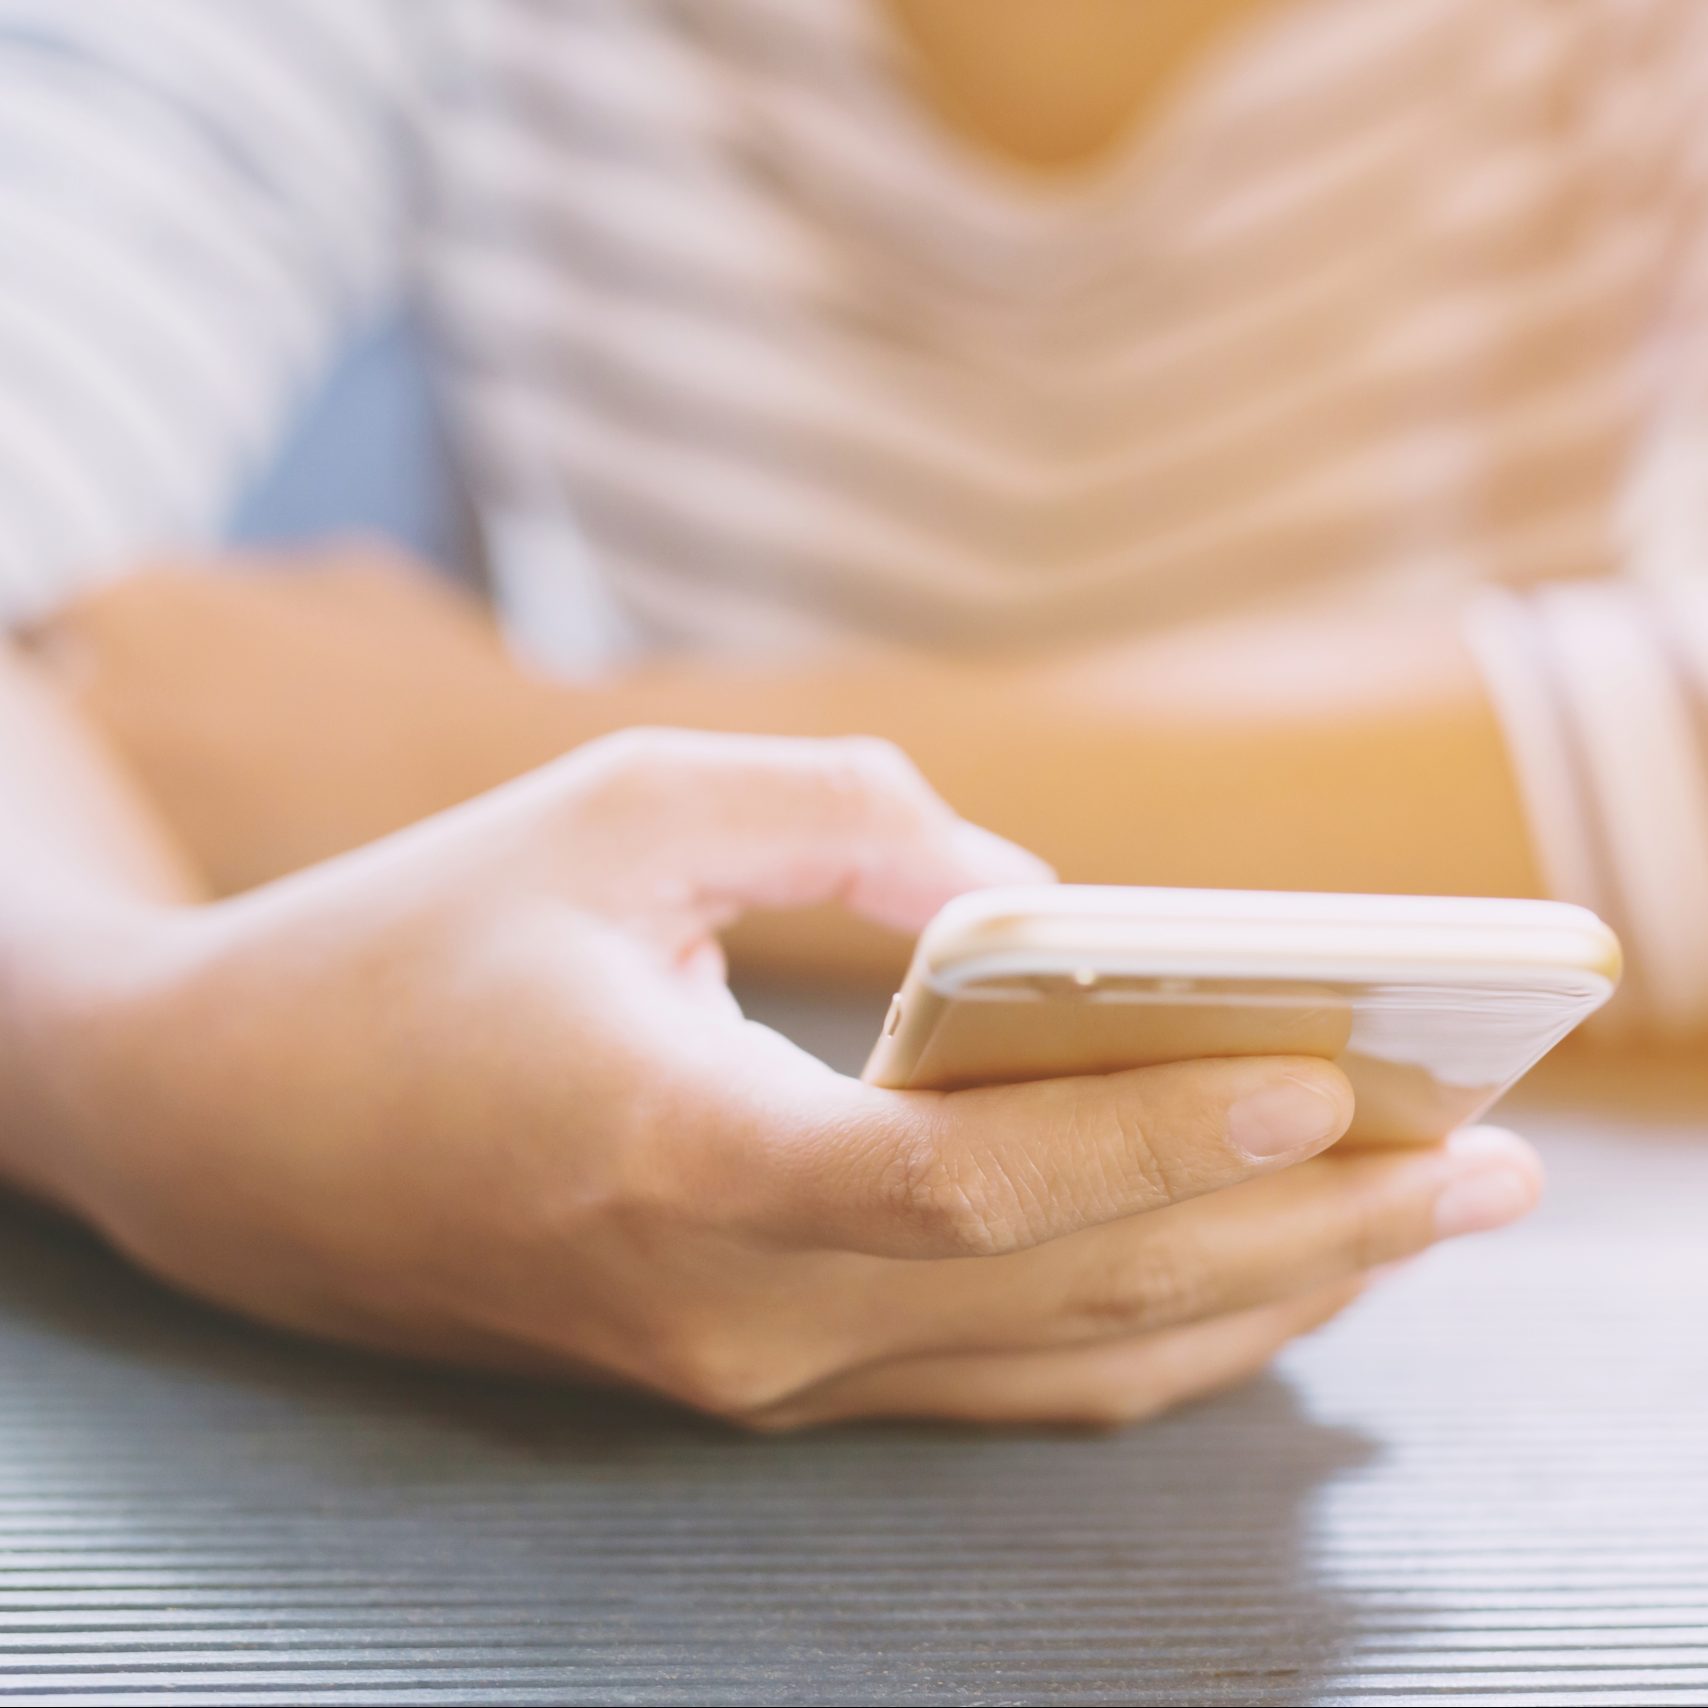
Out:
{"x": 999, "y": 1168}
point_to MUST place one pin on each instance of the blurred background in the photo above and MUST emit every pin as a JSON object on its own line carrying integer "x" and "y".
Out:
{"x": 368, "y": 454}
{"x": 1254, "y": 443}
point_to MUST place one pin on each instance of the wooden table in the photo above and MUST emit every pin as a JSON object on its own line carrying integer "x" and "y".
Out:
{"x": 1490, "y": 1482}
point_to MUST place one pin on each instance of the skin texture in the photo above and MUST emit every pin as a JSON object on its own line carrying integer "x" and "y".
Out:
{"x": 279, "y": 714}
{"x": 478, "y": 1093}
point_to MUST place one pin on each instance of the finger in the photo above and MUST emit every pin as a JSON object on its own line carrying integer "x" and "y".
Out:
{"x": 1308, "y": 1228}
{"x": 1103, "y": 1386}
{"x": 711, "y": 824}
{"x": 977, "y": 1173}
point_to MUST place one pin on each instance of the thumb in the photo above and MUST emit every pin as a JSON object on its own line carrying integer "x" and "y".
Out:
{"x": 999, "y": 1168}
{"x": 714, "y": 824}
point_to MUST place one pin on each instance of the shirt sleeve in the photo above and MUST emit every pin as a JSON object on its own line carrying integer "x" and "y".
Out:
{"x": 196, "y": 197}
{"x": 1601, "y": 684}
{"x": 1602, "y": 690}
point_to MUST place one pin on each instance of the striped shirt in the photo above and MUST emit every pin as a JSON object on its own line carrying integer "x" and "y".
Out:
{"x": 744, "y": 350}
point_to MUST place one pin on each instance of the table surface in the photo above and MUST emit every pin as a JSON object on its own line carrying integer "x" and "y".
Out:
{"x": 1490, "y": 1481}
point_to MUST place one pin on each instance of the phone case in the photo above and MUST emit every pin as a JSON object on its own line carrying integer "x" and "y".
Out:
{"x": 1433, "y": 1006}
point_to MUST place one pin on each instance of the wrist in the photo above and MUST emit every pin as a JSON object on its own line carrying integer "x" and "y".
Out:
{"x": 67, "y": 986}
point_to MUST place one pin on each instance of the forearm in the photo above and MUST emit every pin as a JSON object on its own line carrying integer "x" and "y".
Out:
{"x": 1355, "y": 755}
{"x": 1352, "y": 755}
{"x": 82, "y": 860}
{"x": 278, "y": 719}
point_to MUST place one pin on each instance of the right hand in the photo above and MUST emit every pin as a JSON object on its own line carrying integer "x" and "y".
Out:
{"x": 479, "y": 1092}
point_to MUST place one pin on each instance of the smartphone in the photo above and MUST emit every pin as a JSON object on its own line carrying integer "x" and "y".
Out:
{"x": 1433, "y": 1005}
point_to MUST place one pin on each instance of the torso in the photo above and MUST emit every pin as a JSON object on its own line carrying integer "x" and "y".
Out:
{"x": 759, "y": 343}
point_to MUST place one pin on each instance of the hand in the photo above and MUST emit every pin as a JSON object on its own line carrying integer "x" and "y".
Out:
{"x": 480, "y": 1093}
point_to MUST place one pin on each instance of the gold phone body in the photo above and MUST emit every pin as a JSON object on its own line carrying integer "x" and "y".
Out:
{"x": 1433, "y": 1005}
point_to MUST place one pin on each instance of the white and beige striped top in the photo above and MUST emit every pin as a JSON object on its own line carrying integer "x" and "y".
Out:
{"x": 745, "y": 351}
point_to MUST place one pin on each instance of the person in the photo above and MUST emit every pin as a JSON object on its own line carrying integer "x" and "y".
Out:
{"x": 1231, "y": 443}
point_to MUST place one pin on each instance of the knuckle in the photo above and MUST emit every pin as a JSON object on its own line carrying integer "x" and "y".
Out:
{"x": 876, "y": 759}
{"x": 723, "y": 1374}
{"x": 631, "y": 773}
{"x": 628, "y": 753}
{"x": 1118, "y": 1167}
{"x": 855, "y": 785}
{"x": 872, "y": 781}
{"x": 1164, "y": 1160}
{"x": 1164, "y": 1287}
{"x": 957, "y": 1209}
{"x": 918, "y": 1194}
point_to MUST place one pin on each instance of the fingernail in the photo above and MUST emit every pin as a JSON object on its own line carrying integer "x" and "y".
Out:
{"x": 1289, "y": 1116}
{"x": 993, "y": 859}
{"x": 1489, "y": 1144}
{"x": 1491, "y": 1198}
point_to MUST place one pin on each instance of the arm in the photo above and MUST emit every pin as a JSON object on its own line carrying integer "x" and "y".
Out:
{"x": 1554, "y": 743}
{"x": 474, "y": 1093}
{"x": 83, "y": 864}
{"x": 280, "y": 717}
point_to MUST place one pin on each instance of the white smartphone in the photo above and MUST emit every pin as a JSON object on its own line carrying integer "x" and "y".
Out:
{"x": 1433, "y": 1005}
